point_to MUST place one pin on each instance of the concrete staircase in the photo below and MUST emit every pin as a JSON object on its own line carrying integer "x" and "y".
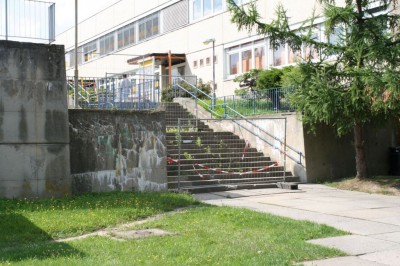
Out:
{"x": 202, "y": 150}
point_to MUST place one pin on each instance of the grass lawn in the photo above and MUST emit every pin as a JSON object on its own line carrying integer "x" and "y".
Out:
{"x": 387, "y": 185}
{"x": 202, "y": 234}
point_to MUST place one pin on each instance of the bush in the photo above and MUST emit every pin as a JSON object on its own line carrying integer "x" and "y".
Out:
{"x": 167, "y": 95}
{"x": 269, "y": 79}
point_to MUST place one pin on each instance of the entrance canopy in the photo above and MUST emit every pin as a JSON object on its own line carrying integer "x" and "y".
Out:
{"x": 160, "y": 59}
{"x": 163, "y": 59}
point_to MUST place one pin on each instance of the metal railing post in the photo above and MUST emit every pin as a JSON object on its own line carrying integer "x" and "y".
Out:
{"x": 6, "y": 20}
{"x": 179, "y": 153}
{"x": 284, "y": 152}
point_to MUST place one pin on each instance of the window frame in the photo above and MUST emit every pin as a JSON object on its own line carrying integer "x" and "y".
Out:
{"x": 239, "y": 50}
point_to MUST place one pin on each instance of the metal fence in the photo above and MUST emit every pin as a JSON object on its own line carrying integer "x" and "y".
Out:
{"x": 22, "y": 20}
{"x": 224, "y": 111}
{"x": 135, "y": 91}
{"x": 228, "y": 155}
{"x": 272, "y": 100}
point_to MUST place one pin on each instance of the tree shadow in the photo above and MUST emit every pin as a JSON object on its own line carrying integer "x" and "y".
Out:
{"x": 20, "y": 240}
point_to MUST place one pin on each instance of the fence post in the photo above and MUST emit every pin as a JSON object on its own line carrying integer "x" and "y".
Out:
{"x": 254, "y": 103}
{"x": 224, "y": 106}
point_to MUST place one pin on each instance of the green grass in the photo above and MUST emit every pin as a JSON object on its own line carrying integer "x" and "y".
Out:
{"x": 203, "y": 235}
{"x": 27, "y": 221}
{"x": 244, "y": 107}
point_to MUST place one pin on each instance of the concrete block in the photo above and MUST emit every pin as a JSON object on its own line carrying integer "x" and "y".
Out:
{"x": 31, "y": 163}
{"x": 30, "y": 61}
{"x": 288, "y": 185}
{"x": 47, "y": 96}
{"x": 18, "y": 163}
{"x": 15, "y": 94}
{"x": 53, "y": 187}
{"x": 18, "y": 127}
{"x": 19, "y": 188}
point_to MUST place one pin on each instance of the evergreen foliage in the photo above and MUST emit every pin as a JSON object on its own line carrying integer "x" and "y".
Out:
{"x": 351, "y": 79}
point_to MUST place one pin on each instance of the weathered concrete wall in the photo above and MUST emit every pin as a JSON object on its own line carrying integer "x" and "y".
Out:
{"x": 330, "y": 157}
{"x": 324, "y": 155}
{"x": 117, "y": 150}
{"x": 34, "y": 140}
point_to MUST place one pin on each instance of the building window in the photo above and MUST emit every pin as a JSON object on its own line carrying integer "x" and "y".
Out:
{"x": 107, "y": 44}
{"x": 310, "y": 52}
{"x": 246, "y": 61}
{"x": 215, "y": 59}
{"x": 203, "y": 8}
{"x": 126, "y": 35}
{"x": 234, "y": 64}
{"x": 208, "y": 61}
{"x": 278, "y": 56}
{"x": 201, "y": 62}
{"x": 149, "y": 26}
{"x": 245, "y": 57}
{"x": 89, "y": 51}
{"x": 195, "y": 63}
{"x": 259, "y": 57}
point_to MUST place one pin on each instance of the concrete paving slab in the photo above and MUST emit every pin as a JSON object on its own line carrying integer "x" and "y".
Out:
{"x": 367, "y": 214}
{"x": 387, "y": 257}
{"x": 348, "y": 261}
{"x": 394, "y": 220}
{"x": 393, "y": 237}
{"x": 363, "y": 227}
{"x": 328, "y": 207}
{"x": 356, "y": 245}
{"x": 207, "y": 196}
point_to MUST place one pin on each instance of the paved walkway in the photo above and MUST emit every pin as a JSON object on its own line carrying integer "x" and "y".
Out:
{"x": 373, "y": 220}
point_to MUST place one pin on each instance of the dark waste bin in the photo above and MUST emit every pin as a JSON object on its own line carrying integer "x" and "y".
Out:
{"x": 394, "y": 161}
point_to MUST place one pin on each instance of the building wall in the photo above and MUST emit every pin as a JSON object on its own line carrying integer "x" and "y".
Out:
{"x": 117, "y": 150}
{"x": 34, "y": 139}
{"x": 187, "y": 39}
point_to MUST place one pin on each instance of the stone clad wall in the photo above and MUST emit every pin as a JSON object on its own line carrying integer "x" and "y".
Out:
{"x": 34, "y": 139}
{"x": 117, "y": 150}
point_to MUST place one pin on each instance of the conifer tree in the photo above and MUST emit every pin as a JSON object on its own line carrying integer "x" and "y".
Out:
{"x": 350, "y": 79}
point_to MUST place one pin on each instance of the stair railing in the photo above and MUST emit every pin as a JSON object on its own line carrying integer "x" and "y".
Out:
{"x": 178, "y": 88}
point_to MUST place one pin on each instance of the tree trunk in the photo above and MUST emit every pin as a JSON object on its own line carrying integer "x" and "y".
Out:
{"x": 361, "y": 165}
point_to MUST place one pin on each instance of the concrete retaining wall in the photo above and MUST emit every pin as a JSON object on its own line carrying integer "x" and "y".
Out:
{"x": 117, "y": 150}
{"x": 324, "y": 155}
{"x": 34, "y": 140}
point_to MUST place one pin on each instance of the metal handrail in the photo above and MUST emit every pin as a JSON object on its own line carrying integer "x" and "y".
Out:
{"x": 299, "y": 161}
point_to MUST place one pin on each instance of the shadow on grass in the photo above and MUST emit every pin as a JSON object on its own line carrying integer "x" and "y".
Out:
{"x": 20, "y": 240}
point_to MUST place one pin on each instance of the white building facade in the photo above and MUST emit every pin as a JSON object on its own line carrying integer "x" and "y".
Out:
{"x": 145, "y": 32}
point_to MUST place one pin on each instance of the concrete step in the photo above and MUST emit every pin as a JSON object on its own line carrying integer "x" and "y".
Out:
{"x": 226, "y": 187}
{"x": 199, "y": 170}
{"x": 177, "y": 184}
{"x": 219, "y": 157}
{"x": 216, "y": 176}
{"x": 205, "y": 149}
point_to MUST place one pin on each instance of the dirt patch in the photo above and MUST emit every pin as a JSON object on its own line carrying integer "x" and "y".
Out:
{"x": 122, "y": 232}
{"x": 379, "y": 185}
{"x": 132, "y": 234}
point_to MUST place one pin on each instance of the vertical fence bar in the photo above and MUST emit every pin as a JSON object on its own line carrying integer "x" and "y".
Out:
{"x": 6, "y": 11}
{"x": 224, "y": 106}
{"x": 179, "y": 154}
